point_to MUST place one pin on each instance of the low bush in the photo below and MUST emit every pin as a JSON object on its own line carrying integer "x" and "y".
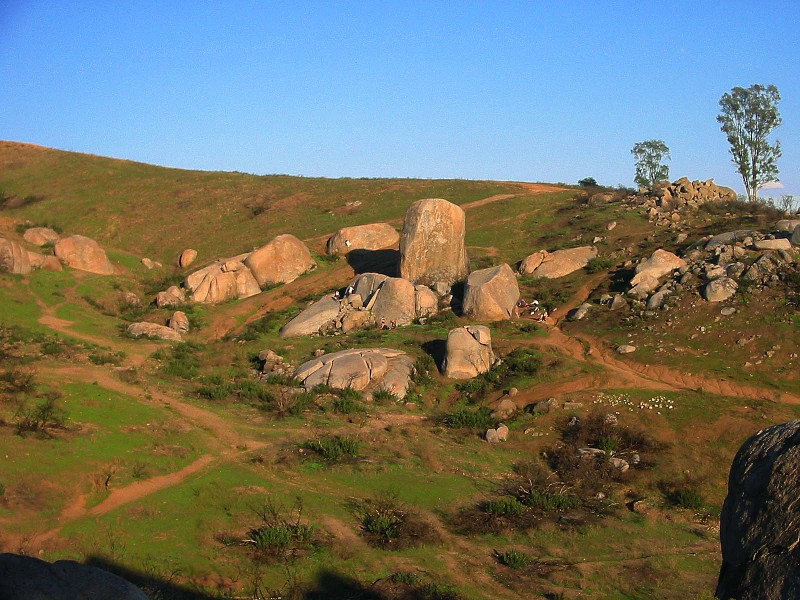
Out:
{"x": 18, "y": 380}
{"x": 106, "y": 358}
{"x": 334, "y": 448}
{"x": 180, "y": 360}
{"x": 384, "y": 396}
{"x": 503, "y": 507}
{"x": 281, "y": 532}
{"x": 40, "y": 418}
{"x": 598, "y": 264}
{"x": 387, "y": 522}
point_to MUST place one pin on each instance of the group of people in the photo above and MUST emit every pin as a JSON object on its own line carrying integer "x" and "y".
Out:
{"x": 533, "y": 309}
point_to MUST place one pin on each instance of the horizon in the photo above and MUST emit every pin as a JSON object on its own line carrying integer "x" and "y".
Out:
{"x": 516, "y": 92}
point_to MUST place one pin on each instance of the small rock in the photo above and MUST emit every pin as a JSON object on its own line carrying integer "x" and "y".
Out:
{"x": 611, "y": 226}
{"x": 504, "y": 409}
{"x": 502, "y": 432}
{"x": 625, "y": 349}
{"x": 513, "y": 392}
{"x": 727, "y": 311}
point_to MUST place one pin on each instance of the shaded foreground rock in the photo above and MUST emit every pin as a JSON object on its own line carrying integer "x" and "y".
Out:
{"x": 84, "y": 254}
{"x": 563, "y": 262}
{"x": 432, "y": 245}
{"x": 468, "y": 353}
{"x": 365, "y": 369}
{"x": 760, "y": 523}
{"x": 491, "y": 294}
{"x": 153, "y": 331}
{"x": 28, "y": 578}
{"x": 374, "y": 236}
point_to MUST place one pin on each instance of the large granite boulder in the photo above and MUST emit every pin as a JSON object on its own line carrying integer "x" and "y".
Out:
{"x": 365, "y": 369}
{"x": 760, "y": 523}
{"x": 14, "y": 258}
{"x": 84, "y": 254}
{"x": 563, "y": 262}
{"x": 491, "y": 294}
{"x": 660, "y": 263}
{"x": 282, "y": 260}
{"x": 395, "y": 302}
{"x": 28, "y": 578}
{"x": 795, "y": 239}
{"x": 432, "y": 247}
{"x": 363, "y": 237}
{"x": 39, "y": 236}
{"x": 469, "y": 352}
{"x": 313, "y": 318}
{"x": 153, "y": 331}
{"x": 222, "y": 281}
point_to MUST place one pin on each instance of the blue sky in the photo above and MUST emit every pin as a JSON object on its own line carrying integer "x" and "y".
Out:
{"x": 532, "y": 91}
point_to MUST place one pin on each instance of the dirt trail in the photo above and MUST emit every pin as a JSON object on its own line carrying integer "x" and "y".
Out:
{"x": 140, "y": 489}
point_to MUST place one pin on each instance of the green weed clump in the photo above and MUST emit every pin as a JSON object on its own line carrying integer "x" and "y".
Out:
{"x": 514, "y": 559}
{"x": 687, "y": 497}
{"x": 41, "y": 417}
{"x": 598, "y": 264}
{"x": 281, "y": 532}
{"x": 504, "y": 507}
{"x": 106, "y": 358}
{"x": 384, "y": 396}
{"x": 549, "y": 501}
{"x": 519, "y": 363}
{"x": 334, "y": 448}
{"x": 18, "y": 380}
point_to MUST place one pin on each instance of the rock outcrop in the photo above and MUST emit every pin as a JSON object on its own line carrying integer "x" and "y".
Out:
{"x": 48, "y": 262}
{"x": 371, "y": 299}
{"x": 179, "y": 322}
{"x": 153, "y": 331}
{"x": 39, "y": 236}
{"x": 432, "y": 247}
{"x": 491, "y": 294}
{"x": 469, "y": 352}
{"x": 649, "y": 271}
{"x": 531, "y": 262}
{"x": 760, "y": 524}
{"x": 664, "y": 200}
{"x": 84, "y": 254}
{"x": 366, "y": 369}
{"x": 28, "y": 578}
{"x": 363, "y": 237}
{"x": 282, "y": 260}
{"x": 787, "y": 225}
{"x": 222, "y": 281}
{"x": 563, "y": 262}
{"x": 14, "y": 258}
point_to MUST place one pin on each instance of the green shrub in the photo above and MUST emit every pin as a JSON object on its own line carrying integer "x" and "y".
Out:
{"x": 687, "y": 497}
{"x": 507, "y": 506}
{"x": 346, "y": 405}
{"x": 181, "y": 360}
{"x": 514, "y": 559}
{"x": 334, "y": 448}
{"x": 106, "y": 358}
{"x": 41, "y": 417}
{"x": 466, "y": 418}
{"x": 404, "y": 578}
{"x": 549, "y": 501}
{"x": 385, "y": 396}
{"x": 389, "y": 523}
{"x": 598, "y": 264}
{"x": 18, "y": 380}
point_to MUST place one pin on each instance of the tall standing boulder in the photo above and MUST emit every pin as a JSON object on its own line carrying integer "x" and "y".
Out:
{"x": 363, "y": 237}
{"x": 760, "y": 523}
{"x": 84, "y": 254}
{"x": 14, "y": 258}
{"x": 469, "y": 352}
{"x": 282, "y": 260}
{"x": 795, "y": 239}
{"x": 491, "y": 294}
{"x": 432, "y": 247}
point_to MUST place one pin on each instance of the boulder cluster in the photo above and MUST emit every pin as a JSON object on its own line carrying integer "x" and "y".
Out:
{"x": 281, "y": 260}
{"x": 75, "y": 251}
{"x": 372, "y": 299}
{"x": 714, "y": 267}
{"x": 664, "y": 200}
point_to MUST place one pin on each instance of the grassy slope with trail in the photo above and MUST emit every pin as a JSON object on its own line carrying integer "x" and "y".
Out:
{"x": 172, "y": 453}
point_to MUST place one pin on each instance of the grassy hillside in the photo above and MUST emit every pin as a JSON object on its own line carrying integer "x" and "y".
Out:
{"x": 157, "y": 212}
{"x": 178, "y": 467}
